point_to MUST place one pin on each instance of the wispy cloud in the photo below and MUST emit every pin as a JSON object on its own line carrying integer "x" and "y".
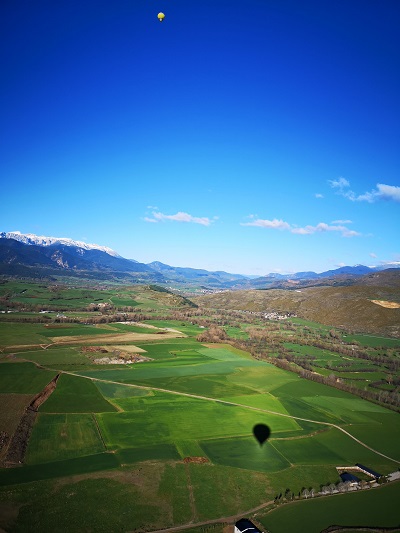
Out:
{"x": 178, "y": 217}
{"x": 373, "y": 255}
{"x": 390, "y": 264}
{"x": 382, "y": 192}
{"x": 340, "y": 183}
{"x": 322, "y": 227}
{"x": 342, "y": 222}
{"x": 274, "y": 224}
{"x": 319, "y": 195}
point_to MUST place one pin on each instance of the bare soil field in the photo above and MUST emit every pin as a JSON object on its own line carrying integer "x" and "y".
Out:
{"x": 104, "y": 339}
{"x": 130, "y": 348}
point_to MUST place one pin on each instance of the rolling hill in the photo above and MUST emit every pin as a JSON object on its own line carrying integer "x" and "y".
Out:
{"x": 371, "y": 305}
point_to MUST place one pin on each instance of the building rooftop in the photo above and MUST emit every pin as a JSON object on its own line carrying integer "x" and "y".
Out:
{"x": 372, "y": 472}
{"x": 244, "y": 524}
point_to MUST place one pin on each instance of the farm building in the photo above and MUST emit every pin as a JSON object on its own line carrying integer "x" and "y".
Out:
{"x": 368, "y": 471}
{"x": 244, "y": 525}
{"x": 345, "y": 476}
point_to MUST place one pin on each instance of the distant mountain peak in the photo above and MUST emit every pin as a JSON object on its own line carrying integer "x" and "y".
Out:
{"x": 41, "y": 240}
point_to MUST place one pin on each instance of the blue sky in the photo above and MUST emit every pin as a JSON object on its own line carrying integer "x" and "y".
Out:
{"x": 248, "y": 137}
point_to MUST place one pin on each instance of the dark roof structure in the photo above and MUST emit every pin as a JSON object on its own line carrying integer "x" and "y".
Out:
{"x": 345, "y": 476}
{"x": 244, "y": 524}
{"x": 371, "y": 472}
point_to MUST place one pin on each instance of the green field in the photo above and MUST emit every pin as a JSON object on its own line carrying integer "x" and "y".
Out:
{"x": 23, "y": 378}
{"x": 115, "y": 437}
{"x": 377, "y": 508}
{"x": 76, "y": 395}
{"x": 63, "y": 436}
{"x": 245, "y": 453}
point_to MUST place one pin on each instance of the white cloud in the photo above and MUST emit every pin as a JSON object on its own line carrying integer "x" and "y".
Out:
{"x": 179, "y": 217}
{"x": 342, "y": 222}
{"x": 340, "y": 183}
{"x": 147, "y": 219}
{"x": 389, "y": 192}
{"x": 382, "y": 192}
{"x": 393, "y": 264}
{"x": 323, "y": 227}
{"x": 306, "y": 230}
{"x": 274, "y": 224}
{"x": 373, "y": 255}
{"x": 319, "y": 195}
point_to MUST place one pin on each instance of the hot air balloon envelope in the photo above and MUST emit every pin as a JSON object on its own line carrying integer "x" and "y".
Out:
{"x": 161, "y": 17}
{"x": 261, "y": 432}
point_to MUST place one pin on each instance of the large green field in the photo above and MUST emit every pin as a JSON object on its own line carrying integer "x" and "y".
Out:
{"x": 169, "y": 441}
{"x": 376, "y": 508}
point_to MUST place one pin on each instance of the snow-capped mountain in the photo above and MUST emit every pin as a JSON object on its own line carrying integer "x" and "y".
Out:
{"x": 30, "y": 238}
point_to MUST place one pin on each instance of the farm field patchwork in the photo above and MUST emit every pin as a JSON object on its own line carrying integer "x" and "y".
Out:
{"x": 129, "y": 428}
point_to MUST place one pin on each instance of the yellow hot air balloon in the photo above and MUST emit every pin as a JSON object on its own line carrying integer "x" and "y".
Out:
{"x": 161, "y": 17}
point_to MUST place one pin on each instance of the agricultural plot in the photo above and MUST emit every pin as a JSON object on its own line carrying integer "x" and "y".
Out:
{"x": 373, "y": 340}
{"x": 220, "y": 490}
{"x": 168, "y": 350}
{"x": 56, "y": 357}
{"x": 23, "y": 378}
{"x": 59, "y": 469}
{"x": 116, "y": 326}
{"x": 267, "y": 402}
{"x": 375, "y": 508}
{"x": 58, "y": 437}
{"x": 113, "y": 390}
{"x": 189, "y": 448}
{"x": 191, "y": 330}
{"x": 152, "y": 452}
{"x": 382, "y": 433}
{"x": 66, "y": 330}
{"x": 76, "y": 395}
{"x": 262, "y": 378}
{"x": 245, "y": 453}
{"x": 317, "y": 449}
{"x": 12, "y": 334}
{"x": 149, "y": 420}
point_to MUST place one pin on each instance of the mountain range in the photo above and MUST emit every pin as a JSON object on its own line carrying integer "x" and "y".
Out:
{"x": 32, "y": 256}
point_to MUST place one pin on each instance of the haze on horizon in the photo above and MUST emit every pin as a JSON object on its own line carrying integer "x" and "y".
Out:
{"x": 248, "y": 138}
